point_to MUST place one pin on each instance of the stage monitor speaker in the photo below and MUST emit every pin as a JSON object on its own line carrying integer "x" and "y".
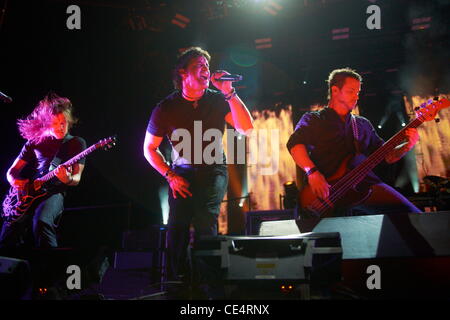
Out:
{"x": 15, "y": 279}
{"x": 410, "y": 250}
{"x": 254, "y": 219}
{"x": 392, "y": 235}
{"x": 279, "y": 228}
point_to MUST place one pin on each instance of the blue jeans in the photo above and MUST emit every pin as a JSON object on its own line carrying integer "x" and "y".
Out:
{"x": 43, "y": 224}
{"x": 208, "y": 186}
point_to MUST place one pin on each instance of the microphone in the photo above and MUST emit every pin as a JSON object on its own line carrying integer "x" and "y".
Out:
{"x": 230, "y": 77}
{"x": 5, "y": 98}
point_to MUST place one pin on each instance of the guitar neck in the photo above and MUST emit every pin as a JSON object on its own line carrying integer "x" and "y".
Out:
{"x": 70, "y": 162}
{"x": 357, "y": 174}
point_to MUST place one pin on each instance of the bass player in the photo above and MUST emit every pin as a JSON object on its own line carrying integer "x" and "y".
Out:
{"x": 325, "y": 140}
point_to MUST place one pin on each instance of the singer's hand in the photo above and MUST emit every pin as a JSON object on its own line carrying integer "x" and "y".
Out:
{"x": 224, "y": 86}
{"x": 179, "y": 185}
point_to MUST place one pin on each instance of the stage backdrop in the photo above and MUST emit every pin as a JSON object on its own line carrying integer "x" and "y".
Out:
{"x": 432, "y": 152}
{"x": 268, "y": 163}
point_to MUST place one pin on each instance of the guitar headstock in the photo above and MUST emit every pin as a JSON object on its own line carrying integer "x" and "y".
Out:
{"x": 107, "y": 143}
{"x": 428, "y": 110}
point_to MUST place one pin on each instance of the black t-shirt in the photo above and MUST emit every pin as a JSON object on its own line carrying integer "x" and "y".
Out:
{"x": 40, "y": 155}
{"x": 175, "y": 117}
{"x": 330, "y": 140}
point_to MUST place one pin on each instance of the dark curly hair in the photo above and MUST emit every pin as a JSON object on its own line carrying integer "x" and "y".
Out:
{"x": 183, "y": 60}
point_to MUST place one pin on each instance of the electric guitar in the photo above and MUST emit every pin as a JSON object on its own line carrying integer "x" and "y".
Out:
{"x": 17, "y": 203}
{"x": 343, "y": 192}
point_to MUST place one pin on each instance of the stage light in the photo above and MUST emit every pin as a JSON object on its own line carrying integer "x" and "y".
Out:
{"x": 263, "y": 43}
{"x": 403, "y": 124}
{"x": 272, "y": 7}
{"x": 286, "y": 288}
{"x": 180, "y": 20}
{"x": 164, "y": 202}
{"x": 42, "y": 290}
{"x": 339, "y": 34}
{"x": 421, "y": 23}
{"x": 136, "y": 22}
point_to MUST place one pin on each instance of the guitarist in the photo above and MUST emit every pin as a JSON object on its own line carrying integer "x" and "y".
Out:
{"x": 323, "y": 139}
{"x": 49, "y": 143}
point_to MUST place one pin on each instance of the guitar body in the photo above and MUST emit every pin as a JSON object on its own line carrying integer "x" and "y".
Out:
{"x": 17, "y": 204}
{"x": 313, "y": 209}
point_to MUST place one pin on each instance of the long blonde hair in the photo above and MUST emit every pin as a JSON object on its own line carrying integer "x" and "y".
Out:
{"x": 35, "y": 125}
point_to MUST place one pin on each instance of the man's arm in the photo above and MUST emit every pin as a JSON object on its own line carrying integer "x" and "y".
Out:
{"x": 316, "y": 180}
{"x": 239, "y": 117}
{"x": 153, "y": 155}
{"x": 399, "y": 151}
{"x": 13, "y": 174}
{"x": 151, "y": 152}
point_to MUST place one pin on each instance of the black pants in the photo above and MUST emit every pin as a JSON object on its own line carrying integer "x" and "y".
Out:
{"x": 208, "y": 186}
{"x": 43, "y": 224}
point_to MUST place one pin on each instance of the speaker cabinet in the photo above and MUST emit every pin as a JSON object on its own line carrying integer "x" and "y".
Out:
{"x": 395, "y": 256}
{"x": 15, "y": 279}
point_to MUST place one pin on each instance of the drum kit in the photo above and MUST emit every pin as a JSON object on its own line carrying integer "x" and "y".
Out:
{"x": 438, "y": 191}
{"x": 437, "y": 184}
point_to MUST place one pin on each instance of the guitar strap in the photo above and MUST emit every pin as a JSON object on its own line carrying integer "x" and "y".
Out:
{"x": 355, "y": 133}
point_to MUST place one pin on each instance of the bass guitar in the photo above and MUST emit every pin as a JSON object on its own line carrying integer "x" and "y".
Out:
{"x": 343, "y": 182}
{"x": 17, "y": 203}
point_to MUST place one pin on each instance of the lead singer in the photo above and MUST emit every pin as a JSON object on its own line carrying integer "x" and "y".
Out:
{"x": 197, "y": 188}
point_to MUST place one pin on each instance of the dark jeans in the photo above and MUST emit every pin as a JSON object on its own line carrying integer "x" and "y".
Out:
{"x": 208, "y": 186}
{"x": 43, "y": 224}
{"x": 383, "y": 200}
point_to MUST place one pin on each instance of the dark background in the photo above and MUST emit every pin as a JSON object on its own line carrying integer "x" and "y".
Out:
{"x": 115, "y": 69}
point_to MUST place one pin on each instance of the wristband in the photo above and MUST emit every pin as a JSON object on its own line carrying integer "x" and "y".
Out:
{"x": 230, "y": 95}
{"x": 311, "y": 171}
{"x": 169, "y": 173}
